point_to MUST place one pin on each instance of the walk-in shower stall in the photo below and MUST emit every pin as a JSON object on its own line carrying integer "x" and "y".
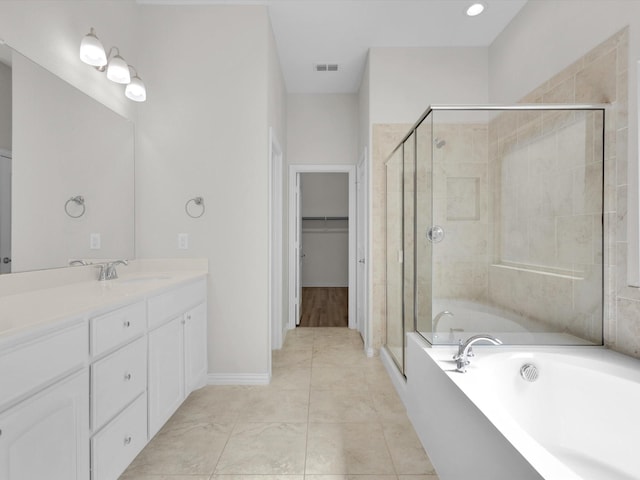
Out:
{"x": 494, "y": 224}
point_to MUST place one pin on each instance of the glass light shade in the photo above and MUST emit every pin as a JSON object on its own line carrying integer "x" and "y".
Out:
{"x": 136, "y": 90}
{"x": 91, "y": 50}
{"x": 475, "y": 9}
{"x": 118, "y": 70}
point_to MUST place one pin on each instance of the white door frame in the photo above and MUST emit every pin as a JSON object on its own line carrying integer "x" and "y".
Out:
{"x": 362, "y": 239}
{"x": 294, "y": 172}
{"x": 276, "y": 317}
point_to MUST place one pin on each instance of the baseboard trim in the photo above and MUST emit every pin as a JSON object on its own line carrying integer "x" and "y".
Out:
{"x": 238, "y": 379}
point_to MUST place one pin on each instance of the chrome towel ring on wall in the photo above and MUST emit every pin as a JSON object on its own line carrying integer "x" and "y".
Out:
{"x": 78, "y": 200}
{"x": 197, "y": 202}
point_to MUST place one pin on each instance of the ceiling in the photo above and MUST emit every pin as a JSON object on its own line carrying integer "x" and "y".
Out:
{"x": 340, "y": 32}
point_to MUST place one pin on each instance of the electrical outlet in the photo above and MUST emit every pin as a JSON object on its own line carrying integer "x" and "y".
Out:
{"x": 183, "y": 241}
{"x": 94, "y": 241}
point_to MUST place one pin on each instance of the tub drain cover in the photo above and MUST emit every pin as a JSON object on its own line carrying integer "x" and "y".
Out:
{"x": 529, "y": 372}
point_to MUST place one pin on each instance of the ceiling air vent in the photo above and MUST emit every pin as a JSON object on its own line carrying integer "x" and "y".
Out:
{"x": 326, "y": 67}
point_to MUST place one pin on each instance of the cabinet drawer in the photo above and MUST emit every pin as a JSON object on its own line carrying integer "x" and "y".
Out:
{"x": 116, "y": 380}
{"x": 115, "y": 447}
{"x": 28, "y": 366}
{"x": 114, "y": 328}
{"x": 177, "y": 301}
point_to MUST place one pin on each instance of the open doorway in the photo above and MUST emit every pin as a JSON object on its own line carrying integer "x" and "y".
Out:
{"x": 336, "y": 224}
{"x": 324, "y": 249}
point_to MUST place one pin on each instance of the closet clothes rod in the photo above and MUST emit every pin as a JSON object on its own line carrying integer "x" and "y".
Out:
{"x": 325, "y": 218}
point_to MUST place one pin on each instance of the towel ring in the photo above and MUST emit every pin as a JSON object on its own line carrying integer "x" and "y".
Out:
{"x": 199, "y": 201}
{"x": 78, "y": 200}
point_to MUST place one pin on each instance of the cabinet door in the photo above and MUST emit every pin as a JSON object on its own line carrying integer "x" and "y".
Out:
{"x": 195, "y": 347}
{"x": 47, "y": 435}
{"x": 166, "y": 373}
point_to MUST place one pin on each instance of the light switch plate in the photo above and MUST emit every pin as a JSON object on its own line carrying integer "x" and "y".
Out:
{"x": 183, "y": 241}
{"x": 94, "y": 241}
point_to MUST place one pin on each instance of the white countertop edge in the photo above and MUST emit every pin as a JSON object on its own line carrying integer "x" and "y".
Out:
{"x": 25, "y": 313}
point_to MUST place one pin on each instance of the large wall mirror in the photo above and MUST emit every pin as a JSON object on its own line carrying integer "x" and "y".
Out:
{"x": 66, "y": 172}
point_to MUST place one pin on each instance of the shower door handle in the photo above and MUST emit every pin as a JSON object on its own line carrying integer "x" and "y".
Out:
{"x": 435, "y": 234}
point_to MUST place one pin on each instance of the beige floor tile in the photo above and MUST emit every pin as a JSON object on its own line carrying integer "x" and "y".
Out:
{"x": 212, "y": 404}
{"x": 295, "y": 339}
{"x": 190, "y": 449}
{"x": 406, "y": 450}
{"x": 291, "y": 378}
{"x": 338, "y": 378}
{"x": 336, "y": 356}
{"x": 333, "y": 406}
{"x": 292, "y": 358}
{"x": 347, "y": 448}
{"x": 269, "y": 405}
{"x": 389, "y": 407}
{"x": 264, "y": 448}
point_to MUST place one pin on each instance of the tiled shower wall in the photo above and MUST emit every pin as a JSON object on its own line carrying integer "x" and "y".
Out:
{"x": 546, "y": 184}
{"x": 600, "y": 76}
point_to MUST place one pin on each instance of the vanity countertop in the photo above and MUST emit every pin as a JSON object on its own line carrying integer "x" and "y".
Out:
{"x": 23, "y": 312}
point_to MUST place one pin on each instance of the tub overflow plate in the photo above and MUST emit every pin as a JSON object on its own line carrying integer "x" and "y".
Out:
{"x": 529, "y": 372}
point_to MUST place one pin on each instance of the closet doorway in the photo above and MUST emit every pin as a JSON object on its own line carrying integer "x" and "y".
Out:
{"x": 324, "y": 249}
{"x": 322, "y": 246}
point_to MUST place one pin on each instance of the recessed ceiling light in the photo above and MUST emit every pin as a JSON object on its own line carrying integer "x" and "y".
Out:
{"x": 475, "y": 9}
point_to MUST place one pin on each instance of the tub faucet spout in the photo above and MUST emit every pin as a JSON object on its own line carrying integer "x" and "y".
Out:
{"x": 464, "y": 350}
{"x": 437, "y": 318}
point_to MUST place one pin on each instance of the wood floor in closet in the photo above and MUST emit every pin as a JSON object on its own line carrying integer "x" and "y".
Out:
{"x": 325, "y": 307}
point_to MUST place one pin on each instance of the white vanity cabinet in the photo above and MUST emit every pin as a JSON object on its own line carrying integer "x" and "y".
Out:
{"x": 82, "y": 393}
{"x": 44, "y": 408}
{"x": 177, "y": 350}
{"x": 118, "y": 388}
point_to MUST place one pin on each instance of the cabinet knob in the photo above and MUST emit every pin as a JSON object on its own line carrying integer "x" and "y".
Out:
{"x": 128, "y": 439}
{"x": 189, "y": 317}
{"x": 126, "y": 324}
{"x": 127, "y": 377}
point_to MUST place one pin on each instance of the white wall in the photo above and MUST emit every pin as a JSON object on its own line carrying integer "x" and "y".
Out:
{"x": 49, "y": 32}
{"x": 405, "y": 81}
{"x": 322, "y": 129}
{"x": 204, "y": 131}
{"x": 325, "y": 245}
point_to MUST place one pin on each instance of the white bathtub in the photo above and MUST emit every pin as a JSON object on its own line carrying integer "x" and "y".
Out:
{"x": 578, "y": 420}
{"x": 470, "y": 318}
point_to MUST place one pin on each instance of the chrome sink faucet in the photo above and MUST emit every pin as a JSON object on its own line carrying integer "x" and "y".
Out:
{"x": 108, "y": 270}
{"x": 464, "y": 350}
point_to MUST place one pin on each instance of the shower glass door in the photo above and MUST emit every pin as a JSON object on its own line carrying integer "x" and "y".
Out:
{"x": 394, "y": 258}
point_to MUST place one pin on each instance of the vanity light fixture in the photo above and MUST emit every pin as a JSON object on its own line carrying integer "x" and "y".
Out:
{"x": 93, "y": 53}
{"x": 91, "y": 50}
{"x": 475, "y": 9}
{"x": 135, "y": 90}
{"x": 117, "y": 69}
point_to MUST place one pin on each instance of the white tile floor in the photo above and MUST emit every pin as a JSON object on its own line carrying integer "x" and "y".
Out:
{"x": 330, "y": 413}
